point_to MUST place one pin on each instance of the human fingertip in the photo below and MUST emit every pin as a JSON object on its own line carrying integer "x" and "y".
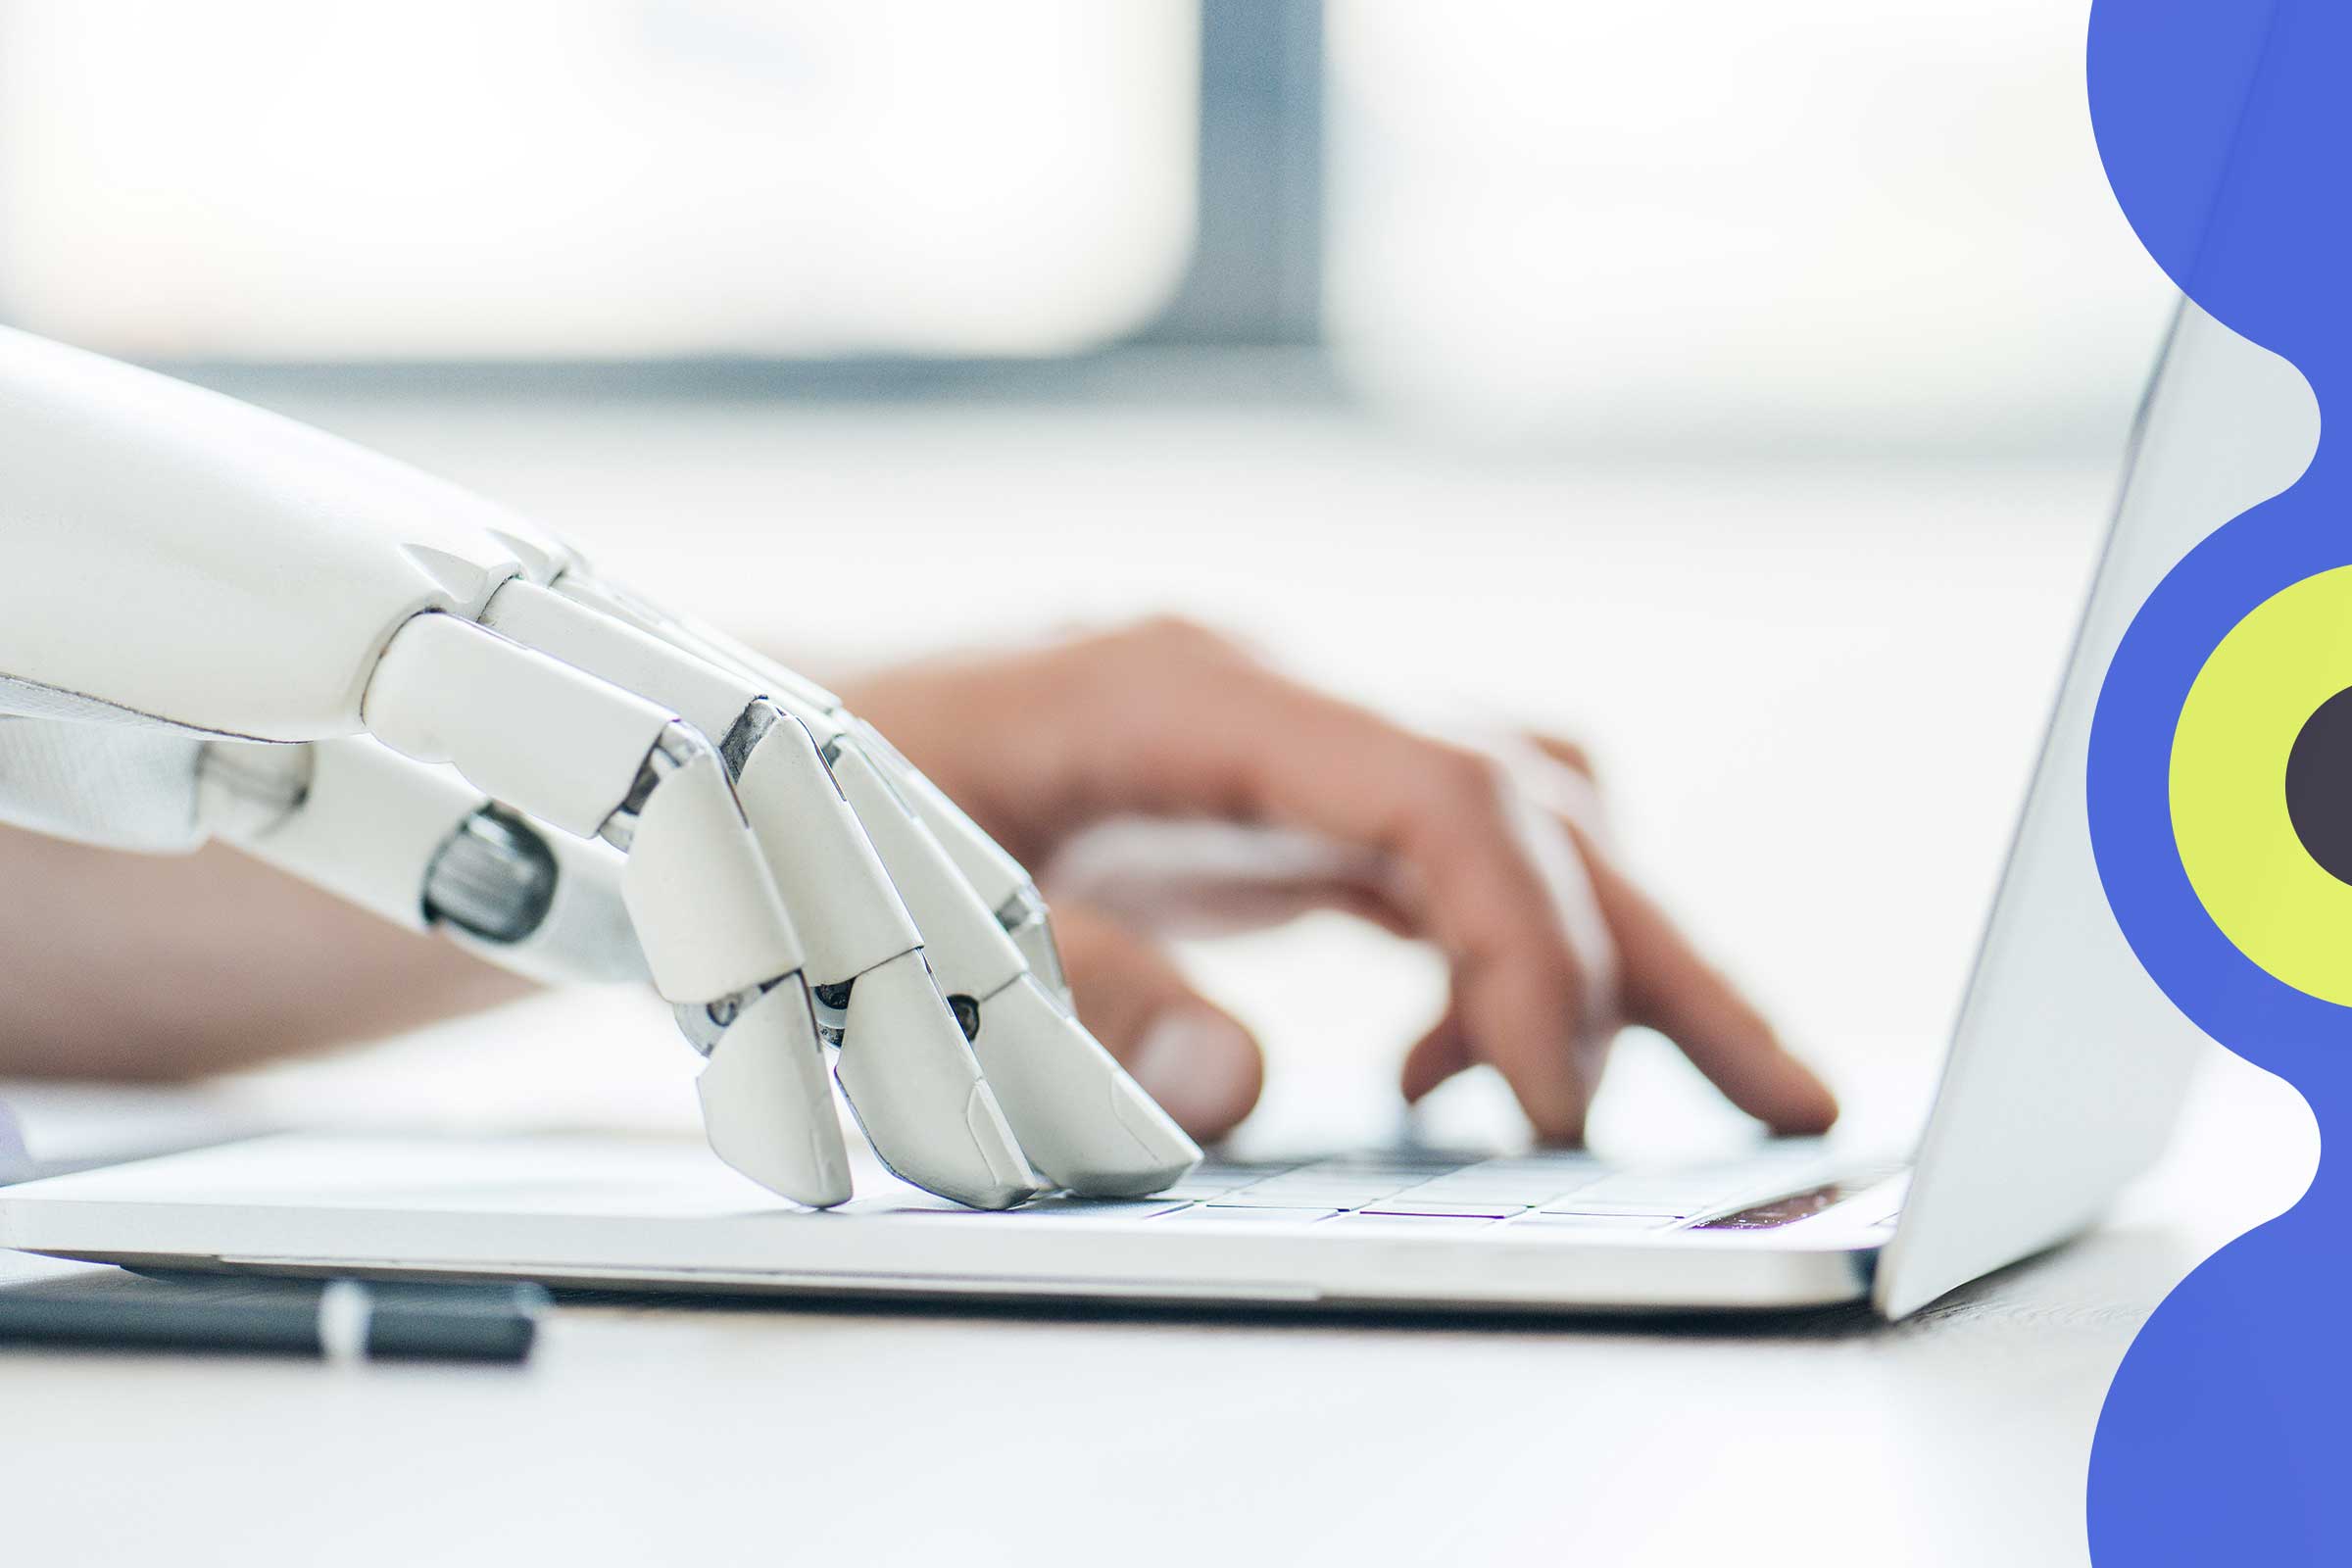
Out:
{"x": 1559, "y": 1130}
{"x": 1806, "y": 1107}
{"x": 1435, "y": 1058}
{"x": 1202, "y": 1067}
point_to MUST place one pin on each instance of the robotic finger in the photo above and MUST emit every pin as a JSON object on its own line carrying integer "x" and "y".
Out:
{"x": 419, "y": 847}
{"x": 599, "y": 763}
{"x": 702, "y": 892}
{"x": 424, "y": 845}
{"x": 906, "y": 1067}
{"x": 997, "y": 880}
{"x": 1082, "y": 1121}
{"x": 1001, "y": 883}
{"x": 1086, "y": 1123}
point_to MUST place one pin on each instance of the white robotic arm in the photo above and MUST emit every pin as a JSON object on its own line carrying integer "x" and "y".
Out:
{"x": 221, "y": 624}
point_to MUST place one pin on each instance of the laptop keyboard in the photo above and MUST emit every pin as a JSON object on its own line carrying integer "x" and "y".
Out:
{"x": 1418, "y": 1191}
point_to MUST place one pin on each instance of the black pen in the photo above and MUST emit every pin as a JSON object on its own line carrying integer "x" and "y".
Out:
{"x": 338, "y": 1320}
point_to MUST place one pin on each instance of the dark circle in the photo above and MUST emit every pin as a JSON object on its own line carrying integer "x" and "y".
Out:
{"x": 2318, "y": 786}
{"x": 968, "y": 1014}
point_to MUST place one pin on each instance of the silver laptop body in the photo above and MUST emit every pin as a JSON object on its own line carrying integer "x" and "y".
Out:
{"x": 2066, "y": 1073}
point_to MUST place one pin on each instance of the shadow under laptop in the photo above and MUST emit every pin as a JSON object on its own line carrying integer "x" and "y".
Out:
{"x": 2135, "y": 1267}
{"x": 1813, "y": 1323}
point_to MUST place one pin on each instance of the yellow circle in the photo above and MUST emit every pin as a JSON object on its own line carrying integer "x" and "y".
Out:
{"x": 2270, "y": 899}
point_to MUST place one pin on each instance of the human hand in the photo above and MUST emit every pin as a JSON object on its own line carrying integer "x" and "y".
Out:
{"x": 1495, "y": 857}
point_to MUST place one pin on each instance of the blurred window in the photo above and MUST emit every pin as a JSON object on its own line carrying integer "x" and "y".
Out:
{"x": 595, "y": 179}
{"x": 1722, "y": 221}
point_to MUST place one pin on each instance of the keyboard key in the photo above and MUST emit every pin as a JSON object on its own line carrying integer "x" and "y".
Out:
{"x": 908, "y": 1203}
{"x": 1668, "y": 1193}
{"x": 1669, "y": 1188}
{"x": 1256, "y": 1171}
{"x": 1521, "y": 1191}
{"x": 1094, "y": 1208}
{"x": 1421, "y": 1160}
{"x": 1194, "y": 1188}
{"x": 1325, "y": 1196}
{"x": 1564, "y": 1168}
{"x": 1390, "y": 1181}
{"x": 1572, "y": 1224}
{"x": 1366, "y": 1181}
{"x": 1339, "y": 1188}
{"x": 1463, "y": 1208}
{"x": 1216, "y": 1214}
{"x": 1377, "y": 1181}
{"x": 1574, "y": 1206}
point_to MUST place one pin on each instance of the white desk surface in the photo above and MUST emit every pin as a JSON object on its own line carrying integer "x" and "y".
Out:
{"x": 1873, "y": 646}
{"x": 748, "y": 1432}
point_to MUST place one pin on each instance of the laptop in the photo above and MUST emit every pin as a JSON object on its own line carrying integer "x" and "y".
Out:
{"x": 2066, "y": 1073}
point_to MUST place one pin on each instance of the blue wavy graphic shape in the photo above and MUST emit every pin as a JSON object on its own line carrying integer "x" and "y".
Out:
{"x": 2225, "y": 126}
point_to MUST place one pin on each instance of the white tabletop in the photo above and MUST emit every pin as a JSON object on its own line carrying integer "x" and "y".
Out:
{"x": 746, "y": 1432}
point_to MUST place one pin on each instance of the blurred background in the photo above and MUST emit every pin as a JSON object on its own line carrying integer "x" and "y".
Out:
{"x": 1737, "y": 388}
{"x": 1813, "y": 223}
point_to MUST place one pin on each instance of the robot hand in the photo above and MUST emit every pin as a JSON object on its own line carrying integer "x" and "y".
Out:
{"x": 221, "y": 624}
